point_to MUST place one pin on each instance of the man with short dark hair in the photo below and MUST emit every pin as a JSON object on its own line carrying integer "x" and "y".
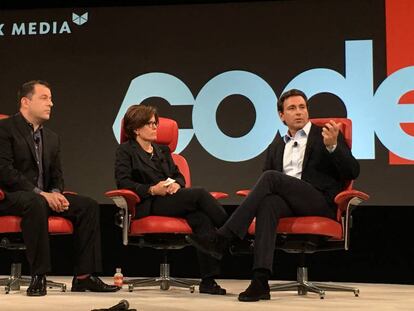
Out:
{"x": 308, "y": 164}
{"x": 31, "y": 178}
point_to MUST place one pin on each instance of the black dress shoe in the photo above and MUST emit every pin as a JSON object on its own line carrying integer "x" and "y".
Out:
{"x": 92, "y": 284}
{"x": 214, "y": 244}
{"x": 37, "y": 286}
{"x": 255, "y": 292}
{"x": 211, "y": 288}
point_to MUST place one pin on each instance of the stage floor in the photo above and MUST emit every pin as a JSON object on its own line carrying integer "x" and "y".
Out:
{"x": 372, "y": 297}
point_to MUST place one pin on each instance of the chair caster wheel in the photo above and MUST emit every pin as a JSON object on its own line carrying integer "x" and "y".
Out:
{"x": 130, "y": 288}
{"x": 302, "y": 292}
{"x": 192, "y": 289}
{"x": 164, "y": 285}
{"x": 63, "y": 289}
{"x": 356, "y": 293}
{"x": 7, "y": 289}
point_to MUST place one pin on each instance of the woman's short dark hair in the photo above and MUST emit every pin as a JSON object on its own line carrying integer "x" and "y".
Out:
{"x": 290, "y": 93}
{"x": 136, "y": 117}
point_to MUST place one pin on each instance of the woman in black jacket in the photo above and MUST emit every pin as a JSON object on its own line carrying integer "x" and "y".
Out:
{"x": 148, "y": 169}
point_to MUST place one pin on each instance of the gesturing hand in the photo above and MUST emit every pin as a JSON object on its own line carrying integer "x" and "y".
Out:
{"x": 330, "y": 133}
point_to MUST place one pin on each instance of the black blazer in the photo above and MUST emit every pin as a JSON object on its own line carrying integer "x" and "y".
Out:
{"x": 326, "y": 171}
{"x": 135, "y": 171}
{"x": 18, "y": 167}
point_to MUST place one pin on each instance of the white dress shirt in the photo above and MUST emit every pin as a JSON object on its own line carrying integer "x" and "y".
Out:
{"x": 295, "y": 151}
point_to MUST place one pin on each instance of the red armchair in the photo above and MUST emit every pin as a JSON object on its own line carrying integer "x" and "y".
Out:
{"x": 9, "y": 228}
{"x": 11, "y": 225}
{"x": 310, "y": 234}
{"x": 157, "y": 232}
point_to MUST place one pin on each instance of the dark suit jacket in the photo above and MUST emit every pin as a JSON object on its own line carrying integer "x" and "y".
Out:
{"x": 135, "y": 171}
{"x": 18, "y": 167}
{"x": 326, "y": 171}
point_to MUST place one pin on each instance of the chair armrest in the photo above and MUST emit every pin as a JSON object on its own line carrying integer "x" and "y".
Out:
{"x": 130, "y": 197}
{"x": 350, "y": 197}
{"x": 243, "y": 193}
{"x": 346, "y": 201}
{"x": 70, "y": 192}
{"x": 219, "y": 195}
{"x": 1, "y": 195}
{"x": 126, "y": 201}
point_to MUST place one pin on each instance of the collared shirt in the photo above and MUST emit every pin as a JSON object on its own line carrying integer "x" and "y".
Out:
{"x": 38, "y": 143}
{"x": 295, "y": 151}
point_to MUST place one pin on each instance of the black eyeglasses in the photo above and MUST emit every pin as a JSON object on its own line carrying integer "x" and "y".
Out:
{"x": 152, "y": 123}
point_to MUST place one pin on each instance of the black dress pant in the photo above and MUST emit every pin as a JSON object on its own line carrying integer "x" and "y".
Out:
{"x": 275, "y": 195}
{"x": 83, "y": 212}
{"x": 203, "y": 214}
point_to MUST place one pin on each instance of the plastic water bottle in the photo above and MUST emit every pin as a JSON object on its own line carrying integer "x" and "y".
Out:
{"x": 118, "y": 278}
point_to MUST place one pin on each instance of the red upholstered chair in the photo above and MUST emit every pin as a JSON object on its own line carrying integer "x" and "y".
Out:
{"x": 310, "y": 234}
{"x": 10, "y": 228}
{"x": 157, "y": 232}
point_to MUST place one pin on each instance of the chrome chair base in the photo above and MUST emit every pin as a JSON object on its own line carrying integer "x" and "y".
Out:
{"x": 164, "y": 281}
{"x": 15, "y": 280}
{"x": 303, "y": 286}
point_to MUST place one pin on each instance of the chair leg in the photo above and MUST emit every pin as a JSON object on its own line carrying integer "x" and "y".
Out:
{"x": 52, "y": 284}
{"x": 339, "y": 288}
{"x": 15, "y": 280}
{"x": 164, "y": 280}
{"x": 303, "y": 286}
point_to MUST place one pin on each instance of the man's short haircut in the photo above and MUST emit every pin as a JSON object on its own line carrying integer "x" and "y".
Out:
{"x": 136, "y": 117}
{"x": 27, "y": 89}
{"x": 290, "y": 93}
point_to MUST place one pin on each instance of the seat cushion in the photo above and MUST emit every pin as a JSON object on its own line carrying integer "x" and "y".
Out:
{"x": 307, "y": 225}
{"x": 10, "y": 224}
{"x": 60, "y": 225}
{"x": 159, "y": 224}
{"x": 57, "y": 225}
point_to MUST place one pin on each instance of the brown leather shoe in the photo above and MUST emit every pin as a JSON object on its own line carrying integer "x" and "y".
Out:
{"x": 37, "y": 286}
{"x": 92, "y": 284}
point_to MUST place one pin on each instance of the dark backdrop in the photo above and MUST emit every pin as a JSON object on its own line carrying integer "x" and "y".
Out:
{"x": 91, "y": 68}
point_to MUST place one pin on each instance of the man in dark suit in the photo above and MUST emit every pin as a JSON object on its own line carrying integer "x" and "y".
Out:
{"x": 31, "y": 178}
{"x": 308, "y": 164}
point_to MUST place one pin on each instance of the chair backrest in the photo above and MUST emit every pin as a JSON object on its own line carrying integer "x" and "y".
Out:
{"x": 167, "y": 134}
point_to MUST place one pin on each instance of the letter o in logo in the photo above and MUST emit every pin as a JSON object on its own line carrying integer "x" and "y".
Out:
{"x": 261, "y": 95}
